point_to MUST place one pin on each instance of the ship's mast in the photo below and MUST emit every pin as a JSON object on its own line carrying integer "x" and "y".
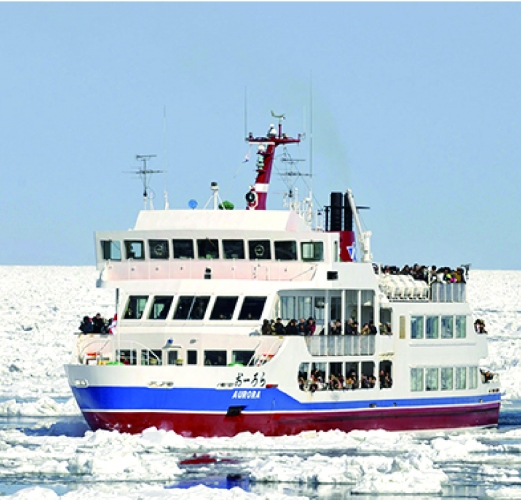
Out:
{"x": 257, "y": 196}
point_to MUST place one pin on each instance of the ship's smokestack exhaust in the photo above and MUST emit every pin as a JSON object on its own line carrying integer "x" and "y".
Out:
{"x": 336, "y": 212}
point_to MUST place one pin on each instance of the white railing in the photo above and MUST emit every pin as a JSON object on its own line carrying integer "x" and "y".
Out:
{"x": 342, "y": 345}
{"x": 448, "y": 292}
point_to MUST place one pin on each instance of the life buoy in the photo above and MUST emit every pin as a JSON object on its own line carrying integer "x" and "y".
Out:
{"x": 252, "y": 199}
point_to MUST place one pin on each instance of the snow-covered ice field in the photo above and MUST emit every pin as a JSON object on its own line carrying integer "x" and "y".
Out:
{"x": 47, "y": 452}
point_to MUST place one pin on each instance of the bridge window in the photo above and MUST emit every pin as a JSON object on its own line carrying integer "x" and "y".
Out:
{"x": 215, "y": 358}
{"x": 207, "y": 249}
{"x": 285, "y": 250}
{"x": 151, "y": 358}
{"x": 259, "y": 249}
{"x": 233, "y": 249}
{"x": 135, "y": 306}
{"x": 224, "y": 307}
{"x": 191, "y": 307}
{"x": 183, "y": 249}
{"x": 252, "y": 307}
{"x": 312, "y": 251}
{"x": 158, "y": 249}
{"x": 160, "y": 307}
{"x": 135, "y": 250}
{"x": 111, "y": 250}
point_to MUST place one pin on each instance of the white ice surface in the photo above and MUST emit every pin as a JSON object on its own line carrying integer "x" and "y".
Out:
{"x": 41, "y": 307}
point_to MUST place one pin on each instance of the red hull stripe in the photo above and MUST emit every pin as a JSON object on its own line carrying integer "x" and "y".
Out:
{"x": 278, "y": 424}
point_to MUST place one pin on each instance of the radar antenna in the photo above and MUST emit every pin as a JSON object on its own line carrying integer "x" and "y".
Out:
{"x": 145, "y": 173}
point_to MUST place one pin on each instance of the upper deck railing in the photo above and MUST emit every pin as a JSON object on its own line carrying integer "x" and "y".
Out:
{"x": 404, "y": 288}
{"x": 342, "y": 345}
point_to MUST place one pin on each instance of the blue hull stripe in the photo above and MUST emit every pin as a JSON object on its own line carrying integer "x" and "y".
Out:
{"x": 212, "y": 400}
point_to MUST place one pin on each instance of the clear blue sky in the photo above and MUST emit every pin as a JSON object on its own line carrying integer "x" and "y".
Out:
{"x": 416, "y": 108}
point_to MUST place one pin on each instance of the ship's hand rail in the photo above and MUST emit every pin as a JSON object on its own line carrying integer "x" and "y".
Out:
{"x": 342, "y": 345}
{"x": 82, "y": 354}
{"x": 405, "y": 287}
{"x": 262, "y": 355}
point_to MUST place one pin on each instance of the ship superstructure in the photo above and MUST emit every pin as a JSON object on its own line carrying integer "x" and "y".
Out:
{"x": 191, "y": 352}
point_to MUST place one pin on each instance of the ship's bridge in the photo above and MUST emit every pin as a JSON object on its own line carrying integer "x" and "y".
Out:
{"x": 215, "y": 244}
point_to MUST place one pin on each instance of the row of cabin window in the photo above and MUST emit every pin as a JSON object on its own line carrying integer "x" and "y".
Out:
{"x": 189, "y": 307}
{"x": 343, "y": 369}
{"x": 435, "y": 327}
{"x": 157, "y": 357}
{"x": 445, "y": 379}
{"x": 211, "y": 249}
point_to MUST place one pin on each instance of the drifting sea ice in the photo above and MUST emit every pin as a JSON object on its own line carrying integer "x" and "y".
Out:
{"x": 44, "y": 441}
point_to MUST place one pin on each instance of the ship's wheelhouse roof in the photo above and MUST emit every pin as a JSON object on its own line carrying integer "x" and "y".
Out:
{"x": 260, "y": 220}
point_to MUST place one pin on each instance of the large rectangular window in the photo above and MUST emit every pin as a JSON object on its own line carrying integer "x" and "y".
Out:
{"x": 461, "y": 378}
{"x": 416, "y": 327}
{"x": 461, "y": 327}
{"x": 259, "y": 249}
{"x": 287, "y": 307}
{"x": 431, "y": 327}
{"x": 223, "y": 307}
{"x": 135, "y": 250}
{"x": 189, "y": 307}
{"x": 233, "y": 249}
{"x": 312, "y": 251}
{"x": 416, "y": 379}
{"x": 252, "y": 307}
{"x": 242, "y": 357}
{"x": 215, "y": 358}
{"x": 285, "y": 250}
{"x": 158, "y": 249}
{"x": 304, "y": 307}
{"x": 431, "y": 379}
{"x": 336, "y": 309}
{"x": 111, "y": 250}
{"x": 447, "y": 383}
{"x": 447, "y": 327}
{"x": 183, "y": 249}
{"x": 160, "y": 307}
{"x": 207, "y": 249}
{"x": 135, "y": 306}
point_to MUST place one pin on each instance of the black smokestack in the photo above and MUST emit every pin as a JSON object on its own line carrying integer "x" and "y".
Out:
{"x": 336, "y": 211}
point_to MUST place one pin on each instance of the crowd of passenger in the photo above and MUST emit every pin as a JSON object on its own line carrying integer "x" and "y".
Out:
{"x": 309, "y": 327}
{"x": 96, "y": 324}
{"x": 318, "y": 382}
{"x": 430, "y": 275}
